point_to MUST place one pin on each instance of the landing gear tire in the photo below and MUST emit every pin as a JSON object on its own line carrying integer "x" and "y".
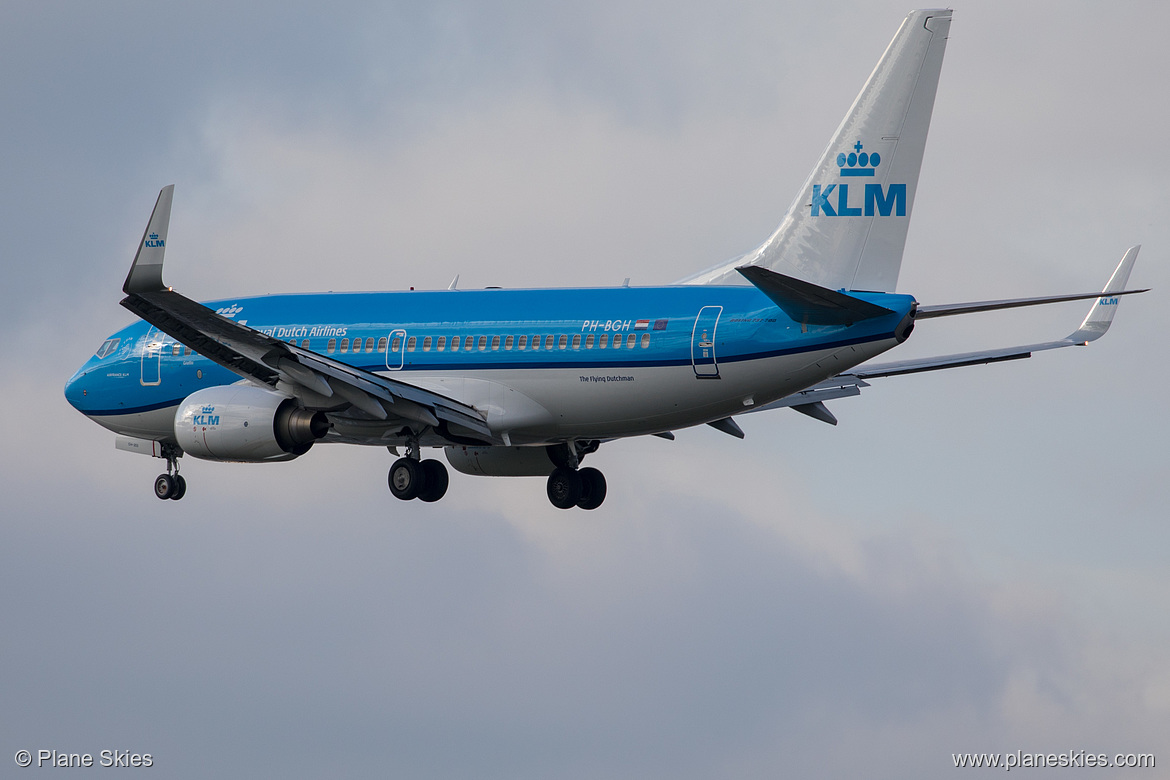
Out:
{"x": 564, "y": 487}
{"x": 592, "y": 488}
{"x": 406, "y": 478}
{"x": 165, "y": 486}
{"x": 435, "y": 481}
{"x": 180, "y": 487}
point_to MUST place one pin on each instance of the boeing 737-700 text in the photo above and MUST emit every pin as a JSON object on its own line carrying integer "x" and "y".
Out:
{"x": 528, "y": 382}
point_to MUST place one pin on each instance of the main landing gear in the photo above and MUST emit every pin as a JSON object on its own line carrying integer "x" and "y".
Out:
{"x": 170, "y": 485}
{"x": 568, "y": 488}
{"x": 410, "y": 477}
{"x": 569, "y": 485}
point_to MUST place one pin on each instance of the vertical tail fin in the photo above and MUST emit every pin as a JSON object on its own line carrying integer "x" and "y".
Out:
{"x": 847, "y": 227}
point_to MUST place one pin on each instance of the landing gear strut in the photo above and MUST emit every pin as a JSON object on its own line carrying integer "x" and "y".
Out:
{"x": 411, "y": 478}
{"x": 170, "y": 485}
{"x": 570, "y": 486}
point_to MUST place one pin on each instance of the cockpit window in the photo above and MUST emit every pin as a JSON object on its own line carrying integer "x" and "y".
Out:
{"x": 108, "y": 346}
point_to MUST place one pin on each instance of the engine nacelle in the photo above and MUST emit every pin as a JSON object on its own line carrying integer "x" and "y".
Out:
{"x": 248, "y": 424}
{"x": 500, "y": 461}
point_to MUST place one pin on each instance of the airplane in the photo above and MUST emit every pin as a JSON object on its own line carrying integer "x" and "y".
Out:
{"x": 529, "y": 382}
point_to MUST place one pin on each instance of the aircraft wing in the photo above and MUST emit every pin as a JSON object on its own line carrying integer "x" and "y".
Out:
{"x": 319, "y": 382}
{"x": 849, "y": 383}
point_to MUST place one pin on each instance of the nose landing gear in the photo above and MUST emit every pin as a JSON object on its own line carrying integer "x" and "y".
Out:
{"x": 170, "y": 485}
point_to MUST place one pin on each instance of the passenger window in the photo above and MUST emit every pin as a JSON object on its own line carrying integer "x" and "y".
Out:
{"x": 603, "y": 342}
{"x": 508, "y": 342}
{"x": 482, "y": 343}
{"x": 381, "y": 344}
{"x": 589, "y": 341}
{"x": 645, "y": 340}
{"x": 617, "y": 341}
{"x": 411, "y": 343}
{"x": 304, "y": 343}
{"x": 345, "y": 345}
{"x": 523, "y": 343}
{"x": 577, "y": 341}
{"x": 454, "y": 343}
{"x": 536, "y": 342}
{"x": 331, "y": 346}
{"x": 442, "y": 345}
{"x": 369, "y": 344}
{"x": 395, "y": 345}
{"x": 548, "y": 342}
{"x": 630, "y": 341}
{"x": 495, "y": 342}
{"x": 427, "y": 344}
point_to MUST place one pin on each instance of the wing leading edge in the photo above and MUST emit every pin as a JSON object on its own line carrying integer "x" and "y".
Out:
{"x": 318, "y": 382}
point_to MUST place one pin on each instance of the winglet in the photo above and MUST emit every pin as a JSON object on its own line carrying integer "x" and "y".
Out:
{"x": 146, "y": 271}
{"x": 1101, "y": 314}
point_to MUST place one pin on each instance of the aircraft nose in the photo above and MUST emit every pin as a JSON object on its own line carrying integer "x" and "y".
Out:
{"x": 75, "y": 390}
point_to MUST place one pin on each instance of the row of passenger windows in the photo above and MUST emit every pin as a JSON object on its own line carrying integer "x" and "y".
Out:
{"x": 440, "y": 343}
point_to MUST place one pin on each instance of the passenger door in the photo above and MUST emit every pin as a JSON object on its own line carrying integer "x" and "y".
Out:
{"x": 396, "y": 350}
{"x": 151, "y": 373}
{"x": 703, "y": 343}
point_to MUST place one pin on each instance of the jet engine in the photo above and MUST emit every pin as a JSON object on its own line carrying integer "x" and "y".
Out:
{"x": 500, "y": 461}
{"x": 247, "y": 424}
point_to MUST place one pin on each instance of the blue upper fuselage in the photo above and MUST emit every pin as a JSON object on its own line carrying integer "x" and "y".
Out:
{"x": 140, "y": 369}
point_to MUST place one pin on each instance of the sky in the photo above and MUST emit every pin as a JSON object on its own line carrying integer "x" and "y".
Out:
{"x": 972, "y": 561}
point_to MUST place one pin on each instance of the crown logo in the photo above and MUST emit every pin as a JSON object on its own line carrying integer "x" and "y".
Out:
{"x": 859, "y": 163}
{"x": 154, "y": 236}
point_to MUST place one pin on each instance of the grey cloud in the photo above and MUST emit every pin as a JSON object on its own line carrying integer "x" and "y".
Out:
{"x": 968, "y": 562}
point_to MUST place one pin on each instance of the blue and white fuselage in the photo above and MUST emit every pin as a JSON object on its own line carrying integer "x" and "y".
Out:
{"x": 544, "y": 366}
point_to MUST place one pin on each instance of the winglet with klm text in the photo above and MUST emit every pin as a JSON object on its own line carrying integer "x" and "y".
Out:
{"x": 1101, "y": 314}
{"x": 146, "y": 271}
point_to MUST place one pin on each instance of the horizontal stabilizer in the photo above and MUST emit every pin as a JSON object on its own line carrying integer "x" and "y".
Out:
{"x": 808, "y": 303}
{"x": 1113, "y": 289}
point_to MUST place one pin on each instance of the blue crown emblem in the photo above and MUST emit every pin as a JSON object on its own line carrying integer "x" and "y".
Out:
{"x": 208, "y": 409}
{"x": 859, "y": 163}
{"x": 154, "y": 236}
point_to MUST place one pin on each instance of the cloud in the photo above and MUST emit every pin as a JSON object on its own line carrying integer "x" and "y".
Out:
{"x": 969, "y": 562}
